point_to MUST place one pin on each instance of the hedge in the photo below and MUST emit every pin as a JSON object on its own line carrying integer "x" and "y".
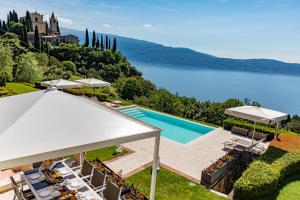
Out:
{"x": 264, "y": 174}
{"x": 230, "y": 122}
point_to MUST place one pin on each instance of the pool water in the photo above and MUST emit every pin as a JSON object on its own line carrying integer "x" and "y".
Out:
{"x": 174, "y": 128}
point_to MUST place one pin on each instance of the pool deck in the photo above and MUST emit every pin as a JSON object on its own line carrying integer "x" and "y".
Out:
{"x": 187, "y": 160}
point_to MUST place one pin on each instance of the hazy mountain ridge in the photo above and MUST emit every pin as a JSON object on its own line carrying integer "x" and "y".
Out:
{"x": 150, "y": 52}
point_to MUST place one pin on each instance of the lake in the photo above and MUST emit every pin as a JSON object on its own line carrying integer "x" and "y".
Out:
{"x": 279, "y": 92}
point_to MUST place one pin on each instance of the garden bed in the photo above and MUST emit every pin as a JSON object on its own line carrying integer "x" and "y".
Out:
{"x": 219, "y": 168}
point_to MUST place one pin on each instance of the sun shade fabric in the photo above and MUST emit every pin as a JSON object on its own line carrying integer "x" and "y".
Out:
{"x": 92, "y": 82}
{"x": 48, "y": 124}
{"x": 257, "y": 114}
{"x": 61, "y": 83}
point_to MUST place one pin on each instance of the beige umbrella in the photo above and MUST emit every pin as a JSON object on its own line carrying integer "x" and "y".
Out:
{"x": 257, "y": 115}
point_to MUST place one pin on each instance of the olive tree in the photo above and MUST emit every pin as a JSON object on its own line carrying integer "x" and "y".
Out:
{"x": 28, "y": 69}
{"x": 6, "y": 65}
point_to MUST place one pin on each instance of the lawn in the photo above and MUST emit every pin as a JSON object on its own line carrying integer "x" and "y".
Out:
{"x": 20, "y": 88}
{"x": 104, "y": 154}
{"x": 289, "y": 189}
{"x": 171, "y": 186}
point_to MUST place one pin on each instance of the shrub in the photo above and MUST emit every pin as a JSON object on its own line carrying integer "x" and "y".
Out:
{"x": 264, "y": 174}
{"x": 102, "y": 97}
{"x": 230, "y": 122}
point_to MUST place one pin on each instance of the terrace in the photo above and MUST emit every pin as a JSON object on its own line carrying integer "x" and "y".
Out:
{"x": 183, "y": 167}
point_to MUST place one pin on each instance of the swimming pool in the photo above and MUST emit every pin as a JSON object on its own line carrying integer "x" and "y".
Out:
{"x": 174, "y": 128}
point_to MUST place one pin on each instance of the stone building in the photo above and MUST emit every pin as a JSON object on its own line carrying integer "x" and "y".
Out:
{"x": 52, "y": 34}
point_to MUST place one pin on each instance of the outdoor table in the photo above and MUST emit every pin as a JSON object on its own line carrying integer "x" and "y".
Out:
{"x": 38, "y": 185}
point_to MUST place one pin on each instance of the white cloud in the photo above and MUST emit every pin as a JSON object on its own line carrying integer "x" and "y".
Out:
{"x": 107, "y": 25}
{"x": 61, "y": 20}
{"x": 65, "y": 21}
{"x": 147, "y": 26}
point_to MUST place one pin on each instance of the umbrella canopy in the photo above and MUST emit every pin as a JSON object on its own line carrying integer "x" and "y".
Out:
{"x": 257, "y": 114}
{"x": 92, "y": 82}
{"x": 61, "y": 84}
{"x": 49, "y": 123}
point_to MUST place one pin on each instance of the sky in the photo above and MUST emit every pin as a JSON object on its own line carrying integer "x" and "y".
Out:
{"x": 225, "y": 28}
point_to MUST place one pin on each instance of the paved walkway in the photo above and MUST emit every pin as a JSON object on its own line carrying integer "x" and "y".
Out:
{"x": 187, "y": 159}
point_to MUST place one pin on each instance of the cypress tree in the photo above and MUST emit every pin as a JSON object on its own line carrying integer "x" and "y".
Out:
{"x": 4, "y": 26}
{"x": 97, "y": 43}
{"x": 42, "y": 46}
{"x": 101, "y": 43}
{"x": 86, "y": 38}
{"x": 14, "y": 16}
{"x": 47, "y": 28}
{"x": 58, "y": 30}
{"x": 8, "y": 22}
{"x": 37, "y": 43}
{"x": 114, "y": 47}
{"x": 1, "y": 30}
{"x": 25, "y": 36}
{"x": 94, "y": 39}
{"x": 106, "y": 42}
{"x": 46, "y": 47}
{"x": 28, "y": 22}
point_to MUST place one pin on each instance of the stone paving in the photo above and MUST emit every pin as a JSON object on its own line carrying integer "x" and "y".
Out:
{"x": 187, "y": 159}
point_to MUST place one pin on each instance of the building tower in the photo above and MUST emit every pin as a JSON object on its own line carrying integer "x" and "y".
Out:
{"x": 53, "y": 24}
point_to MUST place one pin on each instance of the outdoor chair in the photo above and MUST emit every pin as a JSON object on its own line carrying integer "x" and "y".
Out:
{"x": 112, "y": 192}
{"x": 97, "y": 181}
{"x": 228, "y": 144}
{"x": 86, "y": 169}
{"x": 20, "y": 194}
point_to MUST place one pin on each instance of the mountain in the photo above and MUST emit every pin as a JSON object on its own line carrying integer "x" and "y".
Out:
{"x": 149, "y": 52}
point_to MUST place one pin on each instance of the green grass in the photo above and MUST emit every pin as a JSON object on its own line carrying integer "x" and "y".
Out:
{"x": 20, "y": 88}
{"x": 104, "y": 154}
{"x": 171, "y": 186}
{"x": 289, "y": 189}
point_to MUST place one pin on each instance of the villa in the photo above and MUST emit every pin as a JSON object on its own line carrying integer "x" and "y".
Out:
{"x": 74, "y": 125}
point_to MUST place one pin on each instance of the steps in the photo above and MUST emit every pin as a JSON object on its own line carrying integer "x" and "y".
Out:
{"x": 134, "y": 112}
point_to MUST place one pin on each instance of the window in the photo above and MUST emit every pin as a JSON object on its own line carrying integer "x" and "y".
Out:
{"x": 36, "y": 19}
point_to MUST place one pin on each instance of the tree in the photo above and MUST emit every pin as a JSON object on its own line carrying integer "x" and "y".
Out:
{"x": 8, "y": 22}
{"x": 94, "y": 39}
{"x": 47, "y": 28}
{"x": 114, "y": 47}
{"x": 106, "y": 42}
{"x": 25, "y": 36}
{"x": 97, "y": 43}
{"x": 28, "y": 22}
{"x": 28, "y": 69}
{"x": 17, "y": 28}
{"x": 69, "y": 66}
{"x": 109, "y": 43}
{"x": 57, "y": 27}
{"x": 101, "y": 43}
{"x": 14, "y": 16}
{"x": 4, "y": 26}
{"x": 6, "y": 65}
{"x": 37, "y": 42}
{"x": 86, "y": 38}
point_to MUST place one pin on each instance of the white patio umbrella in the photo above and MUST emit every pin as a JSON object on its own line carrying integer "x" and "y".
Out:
{"x": 257, "y": 115}
{"x": 92, "y": 82}
{"x": 49, "y": 123}
{"x": 61, "y": 84}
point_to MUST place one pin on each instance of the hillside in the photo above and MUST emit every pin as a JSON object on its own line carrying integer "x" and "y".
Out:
{"x": 144, "y": 51}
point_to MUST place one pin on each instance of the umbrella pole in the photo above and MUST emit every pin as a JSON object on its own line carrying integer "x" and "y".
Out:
{"x": 253, "y": 132}
{"x": 276, "y": 131}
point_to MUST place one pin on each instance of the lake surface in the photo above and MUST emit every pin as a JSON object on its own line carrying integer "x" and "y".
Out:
{"x": 279, "y": 92}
